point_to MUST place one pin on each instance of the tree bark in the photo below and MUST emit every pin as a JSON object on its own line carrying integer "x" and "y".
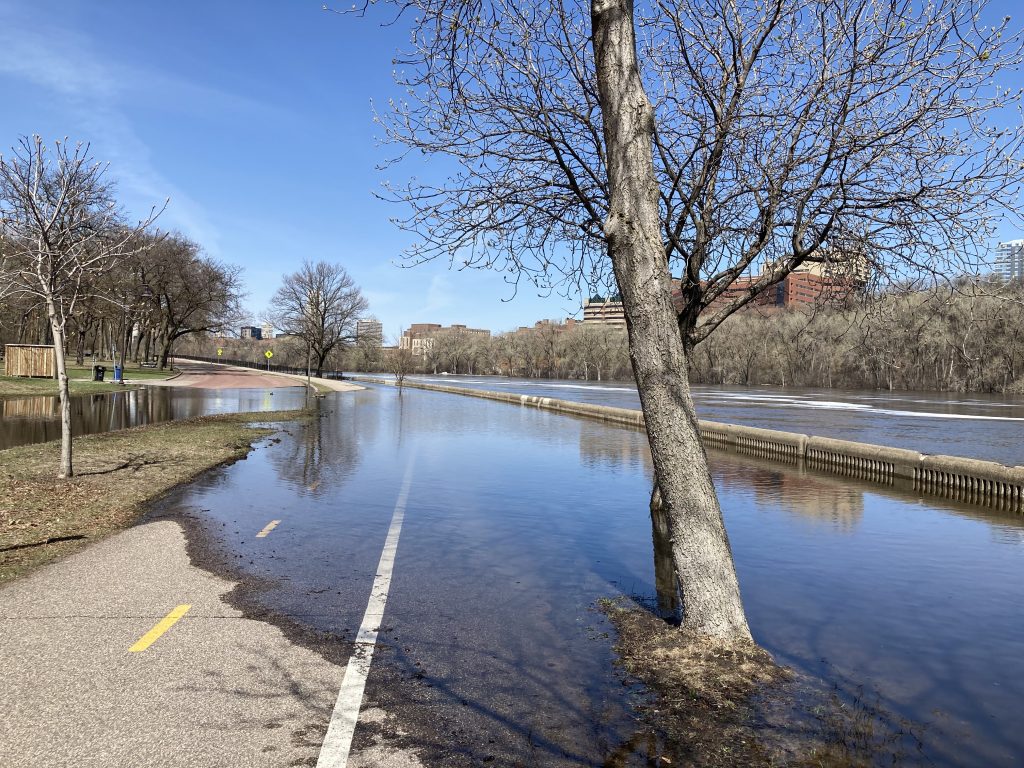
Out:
{"x": 703, "y": 559}
{"x": 66, "y": 467}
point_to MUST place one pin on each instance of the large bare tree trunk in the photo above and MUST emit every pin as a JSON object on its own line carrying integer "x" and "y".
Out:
{"x": 66, "y": 469}
{"x": 700, "y": 546}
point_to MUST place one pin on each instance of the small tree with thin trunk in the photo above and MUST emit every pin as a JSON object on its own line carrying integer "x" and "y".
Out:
{"x": 320, "y": 304}
{"x": 63, "y": 231}
{"x": 727, "y": 143}
{"x": 401, "y": 361}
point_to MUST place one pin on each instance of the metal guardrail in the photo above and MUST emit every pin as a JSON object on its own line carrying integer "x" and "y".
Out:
{"x": 969, "y": 480}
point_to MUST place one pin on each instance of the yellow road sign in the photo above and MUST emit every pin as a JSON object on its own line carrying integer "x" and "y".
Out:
{"x": 268, "y": 354}
{"x": 219, "y": 351}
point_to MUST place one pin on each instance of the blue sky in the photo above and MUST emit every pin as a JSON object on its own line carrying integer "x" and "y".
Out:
{"x": 254, "y": 119}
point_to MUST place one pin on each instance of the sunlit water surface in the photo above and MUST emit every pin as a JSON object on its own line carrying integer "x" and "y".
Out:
{"x": 26, "y": 420}
{"x": 987, "y": 427}
{"x": 519, "y": 520}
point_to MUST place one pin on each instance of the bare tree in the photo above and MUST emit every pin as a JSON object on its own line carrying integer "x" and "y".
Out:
{"x": 321, "y": 304}
{"x": 62, "y": 231}
{"x": 185, "y": 292}
{"x": 401, "y": 361}
{"x": 737, "y": 142}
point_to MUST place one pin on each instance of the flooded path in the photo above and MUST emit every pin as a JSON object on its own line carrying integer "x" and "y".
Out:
{"x": 518, "y": 521}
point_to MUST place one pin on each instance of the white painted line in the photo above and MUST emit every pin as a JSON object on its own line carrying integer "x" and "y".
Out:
{"x": 338, "y": 741}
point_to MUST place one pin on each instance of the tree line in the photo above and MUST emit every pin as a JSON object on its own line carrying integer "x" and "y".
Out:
{"x": 77, "y": 273}
{"x": 966, "y": 340}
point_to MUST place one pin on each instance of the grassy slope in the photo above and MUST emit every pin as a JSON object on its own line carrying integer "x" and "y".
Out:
{"x": 42, "y": 518}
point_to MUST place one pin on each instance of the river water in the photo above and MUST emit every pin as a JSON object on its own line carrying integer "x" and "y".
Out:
{"x": 989, "y": 427}
{"x": 519, "y": 520}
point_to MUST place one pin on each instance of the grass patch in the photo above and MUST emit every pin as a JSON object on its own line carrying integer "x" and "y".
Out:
{"x": 80, "y": 381}
{"x": 43, "y": 518}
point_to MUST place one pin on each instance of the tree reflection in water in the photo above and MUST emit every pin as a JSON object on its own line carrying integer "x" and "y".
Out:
{"x": 325, "y": 452}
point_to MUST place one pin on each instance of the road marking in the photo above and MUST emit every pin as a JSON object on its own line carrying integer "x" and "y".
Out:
{"x": 338, "y": 741}
{"x": 268, "y": 528}
{"x": 162, "y": 626}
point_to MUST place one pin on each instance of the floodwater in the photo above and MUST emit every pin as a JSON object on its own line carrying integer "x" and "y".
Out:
{"x": 27, "y": 420}
{"x": 519, "y": 520}
{"x": 989, "y": 427}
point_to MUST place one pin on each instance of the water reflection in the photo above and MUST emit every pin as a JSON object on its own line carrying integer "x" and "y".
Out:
{"x": 614, "y": 447}
{"x": 28, "y": 420}
{"x": 325, "y": 452}
{"x": 986, "y": 426}
{"x": 837, "y": 503}
{"x": 666, "y": 585}
{"x": 519, "y": 520}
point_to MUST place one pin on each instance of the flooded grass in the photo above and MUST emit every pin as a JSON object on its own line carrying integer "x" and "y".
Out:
{"x": 703, "y": 690}
{"x": 720, "y": 706}
{"x": 43, "y": 518}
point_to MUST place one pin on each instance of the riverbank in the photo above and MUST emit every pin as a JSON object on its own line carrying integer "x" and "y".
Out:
{"x": 43, "y": 519}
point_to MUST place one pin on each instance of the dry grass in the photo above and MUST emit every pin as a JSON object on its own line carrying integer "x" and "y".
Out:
{"x": 117, "y": 473}
{"x": 731, "y": 705}
{"x": 703, "y": 688}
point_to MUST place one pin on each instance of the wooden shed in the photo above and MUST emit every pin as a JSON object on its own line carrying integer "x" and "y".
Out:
{"x": 35, "y": 360}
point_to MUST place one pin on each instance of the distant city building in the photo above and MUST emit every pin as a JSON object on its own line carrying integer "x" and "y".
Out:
{"x": 370, "y": 332}
{"x": 268, "y": 331}
{"x": 813, "y": 282}
{"x": 419, "y": 337}
{"x": 1010, "y": 260}
{"x": 251, "y": 332}
{"x": 604, "y": 310}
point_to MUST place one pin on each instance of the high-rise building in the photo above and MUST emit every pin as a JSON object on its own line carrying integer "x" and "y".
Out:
{"x": 370, "y": 331}
{"x": 604, "y": 310}
{"x": 251, "y": 332}
{"x": 1010, "y": 260}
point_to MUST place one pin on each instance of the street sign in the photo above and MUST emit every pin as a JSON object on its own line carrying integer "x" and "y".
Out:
{"x": 219, "y": 351}
{"x": 268, "y": 354}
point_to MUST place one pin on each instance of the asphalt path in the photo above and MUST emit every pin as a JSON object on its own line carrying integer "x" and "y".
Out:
{"x": 215, "y": 689}
{"x": 199, "y": 375}
{"x": 210, "y": 376}
{"x": 364, "y": 590}
{"x": 127, "y": 654}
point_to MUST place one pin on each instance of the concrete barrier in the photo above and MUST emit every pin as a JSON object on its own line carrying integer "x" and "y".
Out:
{"x": 954, "y": 477}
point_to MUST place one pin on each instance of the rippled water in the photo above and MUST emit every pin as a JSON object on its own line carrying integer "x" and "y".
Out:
{"x": 26, "y": 420}
{"x": 987, "y": 427}
{"x": 519, "y": 520}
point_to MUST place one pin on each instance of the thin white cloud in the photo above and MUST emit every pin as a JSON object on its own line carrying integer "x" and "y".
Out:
{"x": 439, "y": 295}
{"x": 98, "y": 93}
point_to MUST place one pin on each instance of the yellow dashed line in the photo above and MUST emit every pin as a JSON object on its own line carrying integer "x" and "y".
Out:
{"x": 268, "y": 528}
{"x": 154, "y": 634}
